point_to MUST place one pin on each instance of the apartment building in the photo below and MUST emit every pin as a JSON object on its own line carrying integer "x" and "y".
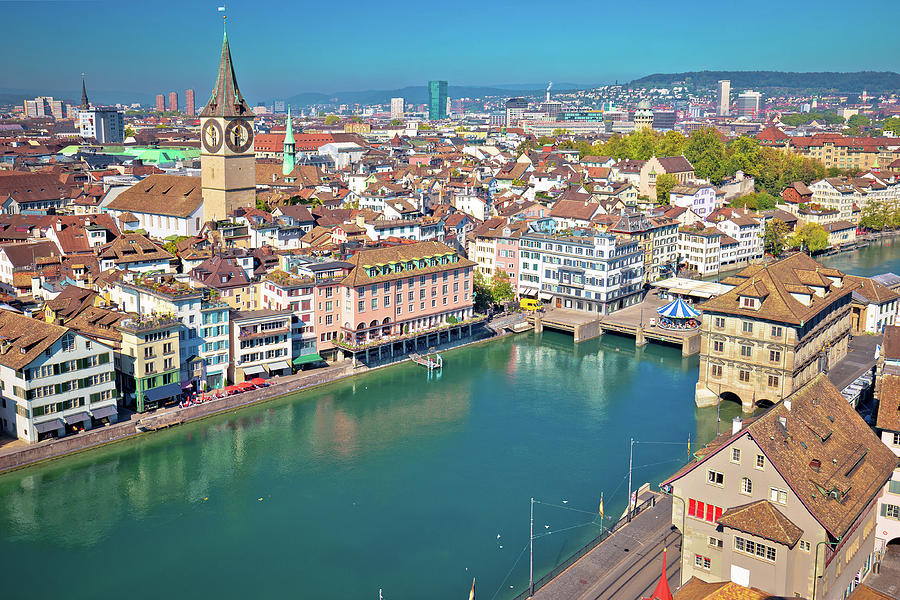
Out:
{"x": 781, "y": 325}
{"x": 280, "y": 290}
{"x": 54, "y": 381}
{"x": 657, "y": 238}
{"x": 261, "y": 344}
{"x": 842, "y": 193}
{"x": 699, "y": 197}
{"x": 149, "y": 364}
{"x": 589, "y": 271}
{"x": 887, "y": 424}
{"x": 786, "y": 504}
{"x": 873, "y": 307}
{"x": 405, "y": 289}
{"x": 748, "y": 233}
{"x": 699, "y": 248}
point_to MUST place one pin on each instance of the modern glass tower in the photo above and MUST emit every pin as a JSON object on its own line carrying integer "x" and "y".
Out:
{"x": 437, "y": 100}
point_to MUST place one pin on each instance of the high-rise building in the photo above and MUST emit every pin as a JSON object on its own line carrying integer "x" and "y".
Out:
{"x": 173, "y": 101}
{"x": 279, "y": 107}
{"x": 515, "y": 110}
{"x": 227, "y": 160}
{"x": 437, "y": 100}
{"x": 45, "y": 106}
{"x": 724, "y": 104}
{"x": 396, "y": 108}
{"x": 160, "y": 103}
{"x": 748, "y": 104}
{"x": 189, "y": 103}
{"x": 104, "y": 124}
{"x": 664, "y": 119}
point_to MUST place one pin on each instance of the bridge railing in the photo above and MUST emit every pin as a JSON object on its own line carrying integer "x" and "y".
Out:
{"x": 586, "y": 548}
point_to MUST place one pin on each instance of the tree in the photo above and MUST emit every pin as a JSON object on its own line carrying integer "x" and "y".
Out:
{"x": 706, "y": 152}
{"x": 261, "y": 204}
{"x": 775, "y": 236}
{"x": 857, "y": 123}
{"x": 501, "y": 288}
{"x": 129, "y": 131}
{"x": 483, "y": 295}
{"x": 664, "y": 185}
{"x": 810, "y": 238}
{"x": 891, "y": 124}
{"x": 396, "y": 122}
{"x": 755, "y": 201}
{"x": 332, "y": 119}
{"x": 425, "y": 127}
{"x": 559, "y": 131}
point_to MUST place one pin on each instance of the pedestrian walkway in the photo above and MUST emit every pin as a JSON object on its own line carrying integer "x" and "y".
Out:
{"x": 626, "y": 564}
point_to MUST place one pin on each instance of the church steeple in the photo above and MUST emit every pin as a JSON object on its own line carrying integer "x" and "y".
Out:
{"x": 226, "y": 99}
{"x": 289, "y": 160}
{"x": 84, "y": 99}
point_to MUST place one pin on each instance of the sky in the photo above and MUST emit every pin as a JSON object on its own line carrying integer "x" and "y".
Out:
{"x": 140, "y": 48}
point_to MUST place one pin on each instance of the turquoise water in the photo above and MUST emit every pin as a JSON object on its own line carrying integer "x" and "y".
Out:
{"x": 392, "y": 481}
{"x": 880, "y": 257}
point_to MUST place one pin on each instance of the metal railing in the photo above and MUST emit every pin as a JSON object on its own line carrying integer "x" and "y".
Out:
{"x": 585, "y": 549}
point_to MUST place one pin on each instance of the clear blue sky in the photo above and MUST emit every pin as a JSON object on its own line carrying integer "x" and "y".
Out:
{"x": 284, "y": 48}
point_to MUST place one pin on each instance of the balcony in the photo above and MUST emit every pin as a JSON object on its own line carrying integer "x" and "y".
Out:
{"x": 360, "y": 339}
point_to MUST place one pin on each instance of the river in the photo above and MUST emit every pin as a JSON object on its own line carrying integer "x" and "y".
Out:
{"x": 395, "y": 480}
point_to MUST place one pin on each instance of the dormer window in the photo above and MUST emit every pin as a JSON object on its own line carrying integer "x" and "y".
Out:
{"x": 749, "y": 303}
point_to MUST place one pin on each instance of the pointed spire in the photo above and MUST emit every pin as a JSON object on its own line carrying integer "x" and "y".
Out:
{"x": 289, "y": 131}
{"x": 84, "y": 99}
{"x": 289, "y": 157}
{"x": 226, "y": 99}
{"x": 662, "y": 591}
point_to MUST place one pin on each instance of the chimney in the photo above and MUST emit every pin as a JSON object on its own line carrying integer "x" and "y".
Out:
{"x": 736, "y": 425}
{"x": 787, "y": 405}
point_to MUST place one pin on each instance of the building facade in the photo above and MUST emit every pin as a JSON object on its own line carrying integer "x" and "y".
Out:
{"x": 149, "y": 361}
{"x": 437, "y": 100}
{"x": 106, "y": 125}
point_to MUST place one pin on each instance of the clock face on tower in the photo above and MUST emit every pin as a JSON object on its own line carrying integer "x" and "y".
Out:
{"x": 212, "y": 136}
{"x": 238, "y": 136}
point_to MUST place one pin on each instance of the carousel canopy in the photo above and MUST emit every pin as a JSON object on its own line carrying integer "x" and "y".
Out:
{"x": 678, "y": 309}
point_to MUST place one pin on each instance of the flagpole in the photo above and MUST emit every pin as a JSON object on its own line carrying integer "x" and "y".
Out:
{"x": 531, "y": 554}
{"x": 630, "y": 457}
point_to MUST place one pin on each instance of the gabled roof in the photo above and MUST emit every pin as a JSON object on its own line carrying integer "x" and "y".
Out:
{"x": 675, "y": 164}
{"x": 170, "y": 195}
{"x": 888, "y": 402}
{"x": 762, "y": 519}
{"x": 132, "y": 248}
{"x": 23, "y": 339}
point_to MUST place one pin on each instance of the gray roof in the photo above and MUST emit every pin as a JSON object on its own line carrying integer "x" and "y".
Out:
{"x": 889, "y": 280}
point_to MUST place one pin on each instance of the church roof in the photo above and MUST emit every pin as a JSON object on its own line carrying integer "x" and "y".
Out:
{"x": 226, "y": 99}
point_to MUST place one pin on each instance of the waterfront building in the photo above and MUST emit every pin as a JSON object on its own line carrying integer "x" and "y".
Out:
{"x": 55, "y": 381}
{"x": 781, "y": 325}
{"x": 227, "y": 163}
{"x": 586, "y": 270}
{"x": 657, "y": 239}
{"x": 437, "y": 100}
{"x": 261, "y": 344}
{"x": 700, "y": 248}
{"x": 204, "y": 334}
{"x": 724, "y": 98}
{"x": 842, "y": 193}
{"x": 104, "y": 124}
{"x": 747, "y": 232}
{"x": 874, "y": 306}
{"x": 887, "y": 423}
{"x": 329, "y": 303}
{"x": 404, "y": 289}
{"x": 786, "y": 504}
{"x": 149, "y": 361}
{"x": 280, "y": 290}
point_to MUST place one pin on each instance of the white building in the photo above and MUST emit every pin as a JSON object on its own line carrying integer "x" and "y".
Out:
{"x": 888, "y": 427}
{"x": 748, "y": 232}
{"x": 700, "y": 249}
{"x": 261, "y": 344}
{"x": 595, "y": 272}
{"x": 105, "y": 124}
{"x": 161, "y": 205}
{"x": 343, "y": 154}
{"x": 55, "y": 381}
{"x": 701, "y": 198}
{"x": 396, "y": 108}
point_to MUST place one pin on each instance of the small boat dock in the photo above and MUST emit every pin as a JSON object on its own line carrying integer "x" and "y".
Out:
{"x": 430, "y": 361}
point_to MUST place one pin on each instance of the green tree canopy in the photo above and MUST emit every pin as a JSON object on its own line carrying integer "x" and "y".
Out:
{"x": 396, "y": 122}
{"x": 810, "y": 238}
{"x": 706, "y": 152}
{"x": 664, "y": 185}
{"x": 332, "y": 119}
{"x": 775, "y": 236}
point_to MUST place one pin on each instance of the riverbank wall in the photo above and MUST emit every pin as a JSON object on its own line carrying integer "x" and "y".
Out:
{"x": 18, "y": 457}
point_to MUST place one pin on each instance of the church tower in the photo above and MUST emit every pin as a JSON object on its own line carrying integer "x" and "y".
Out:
{"x": 227, "y": 160}
{"x": 290, "y": 153}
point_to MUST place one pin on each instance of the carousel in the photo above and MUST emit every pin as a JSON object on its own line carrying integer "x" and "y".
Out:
{"x": 678, "y": 315}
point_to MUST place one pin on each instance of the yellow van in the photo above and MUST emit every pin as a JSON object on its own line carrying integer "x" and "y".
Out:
{"x": 530, "y": 304}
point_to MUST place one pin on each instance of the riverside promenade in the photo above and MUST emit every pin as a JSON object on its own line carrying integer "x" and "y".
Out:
{"x": 16, "y": 454}
{"x": 626, "y": 564}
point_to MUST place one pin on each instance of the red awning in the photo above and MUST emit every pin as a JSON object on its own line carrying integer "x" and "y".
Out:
{"x": 258, "y": 381}
{"x": 245, "y": 385}
{"x": 231, "y": 388}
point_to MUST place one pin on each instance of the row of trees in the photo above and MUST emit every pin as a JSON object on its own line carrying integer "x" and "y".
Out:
{"x": 879, "y": 215}
{"x": 777, "y": 237}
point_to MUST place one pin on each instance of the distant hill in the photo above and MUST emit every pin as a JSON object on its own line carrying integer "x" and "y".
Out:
{"x": 872, "y": 81}
{"x": 412, "y": 95}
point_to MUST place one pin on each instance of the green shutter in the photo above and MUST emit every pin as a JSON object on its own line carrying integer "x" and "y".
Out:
{"x": 104, "y": 358}
{"x": 894, "y": 487}
{"x": 884, "y": 510}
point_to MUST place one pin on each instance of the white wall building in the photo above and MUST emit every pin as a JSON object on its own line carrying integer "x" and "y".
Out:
{"x": 106, "y": 125}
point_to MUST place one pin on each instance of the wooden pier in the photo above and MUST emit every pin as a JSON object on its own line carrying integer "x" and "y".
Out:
{"x": 429, "y": 361}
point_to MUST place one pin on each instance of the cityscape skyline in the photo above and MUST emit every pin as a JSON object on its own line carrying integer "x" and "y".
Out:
{"x": 669, "y": 44}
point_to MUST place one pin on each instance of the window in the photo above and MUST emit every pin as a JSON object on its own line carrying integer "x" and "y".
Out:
{"x": 715, "y": 542}
{"x": 747, "y": 327}
{"x": 773, "y": 381}
{"x": 804, "y": 546}
{"x": 717, "y": 370}
{"x": 775, "y": 356}
{"x": 718, "y": 346}
{"x": 776, "y": 331}
{"x": 715, "y": 478}
{"x": 746, "y": 486}
{"x": 777, "y": 495}
{"x": 746, "y": 351}
{"x": 760, "y": 461}
{"x": 701, "y": 562}
{"x": 736, "y": 455}
{"x": 890, "y": 511}
{"x": 896, "y": 441}
{"x": 744, "y": 376}
{"x": 756, "y": 549}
